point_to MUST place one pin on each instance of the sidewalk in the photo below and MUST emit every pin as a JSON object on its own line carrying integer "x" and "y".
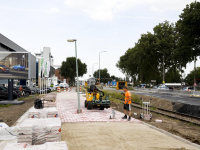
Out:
{"x": 67, "y": 105}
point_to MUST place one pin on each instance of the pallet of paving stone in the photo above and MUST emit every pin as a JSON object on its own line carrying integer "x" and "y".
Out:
{"x": 47, "y": 146}
{"x": 39, "y": 131}
{"x": 49, "y": 104}
{"x": 49, "y": 112}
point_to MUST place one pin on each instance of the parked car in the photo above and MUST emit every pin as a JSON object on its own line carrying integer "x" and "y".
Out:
{"x": 64, "y": 85}
{"x": 155, "y": 87}
{"x": 25, "y": 88}
{"x": 3, "y": 68}
{"x": 19, "y": 67}
{"x": 163, "y": 87}
{"x": 187, "y": 89}
{"x": 4, "y": 93}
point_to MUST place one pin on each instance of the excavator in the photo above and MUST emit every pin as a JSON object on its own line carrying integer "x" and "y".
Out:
{"x": 94, "y": 96}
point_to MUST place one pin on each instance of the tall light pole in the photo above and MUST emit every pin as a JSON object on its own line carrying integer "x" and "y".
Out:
{"x": 93, "y": 68}
{"x": 99, "y": 66}
{"x": 74, "y": 40}
{"x": 163, "y": 69}
{"x": 194, "y": 70}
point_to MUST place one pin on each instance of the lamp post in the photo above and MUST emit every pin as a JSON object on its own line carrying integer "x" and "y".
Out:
{"x": 194, "y": 69}
{"x": 93, "y": 68}
{"x": 74, "y": 40}
{"x": 163, "y": 69}
{"x": 99, "y": 66}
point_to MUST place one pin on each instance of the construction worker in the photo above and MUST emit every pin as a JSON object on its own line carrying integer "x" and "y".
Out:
{"x": 127, "y": 103}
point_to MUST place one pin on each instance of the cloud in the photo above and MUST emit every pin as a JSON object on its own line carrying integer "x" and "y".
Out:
{"x": 104, "y": 10}
{"x": 55, "y": 10}
{"x": 154, "y": 8}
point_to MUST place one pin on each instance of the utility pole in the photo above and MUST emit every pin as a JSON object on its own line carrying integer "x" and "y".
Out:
{"x": 163, "y": 69}
{"x": 194, "y": 73}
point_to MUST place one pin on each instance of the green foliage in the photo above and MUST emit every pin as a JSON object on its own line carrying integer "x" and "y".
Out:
{"x": 68, "y": 68}
{"x": 190, "y": 77}
{"x": 146, "y": 58}
{"x": 103, "y": 74}
{"x": 169, "y": 46}
{"x": 117, "y": 95}
{"x": 173, "y": 76}
{"x": 7, "y": 105}
{"x": 188, "y": 29}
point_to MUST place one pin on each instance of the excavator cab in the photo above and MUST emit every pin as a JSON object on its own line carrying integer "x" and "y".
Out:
{"x": 94, "y": 99}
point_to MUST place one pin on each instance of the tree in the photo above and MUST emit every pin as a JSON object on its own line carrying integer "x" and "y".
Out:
{"x": 173, "y": 76}
{"x": 68, "y": 68}
{"x": 188, "y": 29}
{"x": 190, "y": 77}
{"x": 166, "y": 44}
{"x": 145, "y": 59}
{"x": 105, "y": 76}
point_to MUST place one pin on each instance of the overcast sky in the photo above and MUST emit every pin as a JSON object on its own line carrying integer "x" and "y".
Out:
{"x": 98, "y": 25}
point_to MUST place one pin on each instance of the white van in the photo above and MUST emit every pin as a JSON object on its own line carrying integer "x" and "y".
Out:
{"x": 64, "y": 85}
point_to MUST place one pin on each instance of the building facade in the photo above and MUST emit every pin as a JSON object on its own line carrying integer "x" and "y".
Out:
{"x": 52, "y": 79}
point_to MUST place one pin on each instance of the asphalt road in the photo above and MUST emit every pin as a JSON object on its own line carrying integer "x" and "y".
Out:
{"x": 175, "y": 97}
{"x": 14, "y": 74}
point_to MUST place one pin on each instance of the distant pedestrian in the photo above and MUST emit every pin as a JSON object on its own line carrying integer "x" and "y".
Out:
{"x": 21, "y": 90}
{"x": 127, "y": 103}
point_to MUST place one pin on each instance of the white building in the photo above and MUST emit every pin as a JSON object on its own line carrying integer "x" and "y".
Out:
{"x": 46, "y": 54}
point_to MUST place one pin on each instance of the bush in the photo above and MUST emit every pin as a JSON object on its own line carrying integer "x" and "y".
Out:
{"x": 118, "y": 95}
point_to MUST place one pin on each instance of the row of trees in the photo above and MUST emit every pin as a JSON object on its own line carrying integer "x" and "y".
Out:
{"x": 170, "y": 47}
{"x": 105, "y": 76}
{"x": 68, "y": 68}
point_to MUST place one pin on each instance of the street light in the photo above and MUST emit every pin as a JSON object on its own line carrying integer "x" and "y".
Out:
{"x": 74, "y": 40}
{"x": 93, "y": 68}
{"x": 99, "y": 66}
{"x": 194, "y": 70}
{"x": 163, "y": 68}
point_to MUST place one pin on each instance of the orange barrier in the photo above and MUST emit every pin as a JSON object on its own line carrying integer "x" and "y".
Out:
{"x": 58, "y": 89}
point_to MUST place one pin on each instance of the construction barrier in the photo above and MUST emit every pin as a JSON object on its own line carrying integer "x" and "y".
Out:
{"x": 58, "y": 89}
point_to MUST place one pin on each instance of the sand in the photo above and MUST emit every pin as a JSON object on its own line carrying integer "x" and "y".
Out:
{"x": 118, "y": 136}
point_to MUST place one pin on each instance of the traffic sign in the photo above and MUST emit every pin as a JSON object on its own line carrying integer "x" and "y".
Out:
{"x": 153, "y": 80}
{"x": 195, "y": 84}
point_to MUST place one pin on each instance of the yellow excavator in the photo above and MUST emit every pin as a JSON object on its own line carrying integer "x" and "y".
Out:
{"x": 94, "y": 96}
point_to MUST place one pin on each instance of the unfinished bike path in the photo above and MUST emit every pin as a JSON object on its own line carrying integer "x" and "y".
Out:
{"x": 92, "y": 129}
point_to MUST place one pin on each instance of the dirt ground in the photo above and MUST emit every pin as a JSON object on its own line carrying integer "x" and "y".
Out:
{"x": 12, "y": 113}
{"x": 118, "y": 136}
{"x": 182, "y": 129}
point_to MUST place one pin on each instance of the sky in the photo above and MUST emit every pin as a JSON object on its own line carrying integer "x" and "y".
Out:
{"x": 98, "y": 25}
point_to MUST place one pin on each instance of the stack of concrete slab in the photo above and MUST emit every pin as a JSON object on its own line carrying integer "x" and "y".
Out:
{"x": 47, "y": 146}
{"x": 33, "y": 113}
{"x": 24, "y": 134}
{"x": 49, "y": 104}
{"x": 39, "y": 131}
{"x": 50, "y": 112}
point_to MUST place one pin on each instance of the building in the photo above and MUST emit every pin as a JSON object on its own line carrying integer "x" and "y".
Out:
{"x": 61, "y": 79}
{"x": 11, "y": 55}
{"x": 46, "y": 54}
